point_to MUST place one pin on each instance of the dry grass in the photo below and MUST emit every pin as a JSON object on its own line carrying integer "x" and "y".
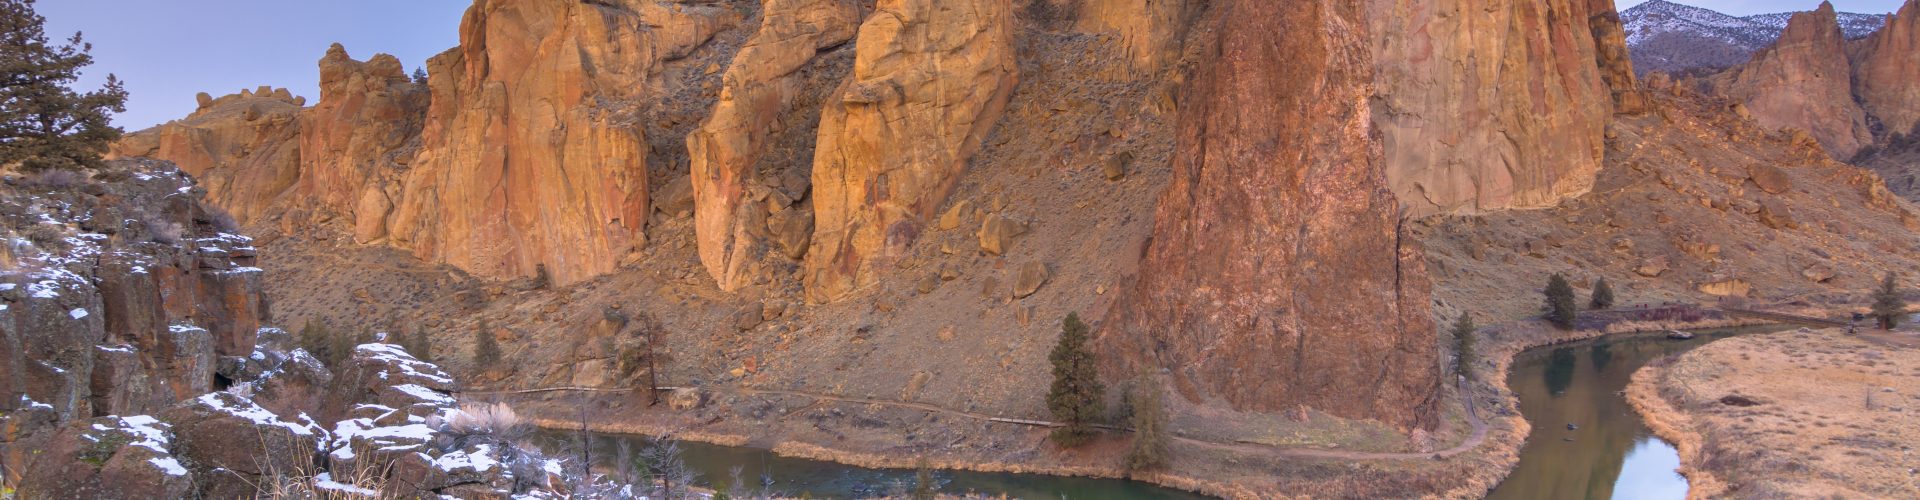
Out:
{"x": 1791, "y": 414}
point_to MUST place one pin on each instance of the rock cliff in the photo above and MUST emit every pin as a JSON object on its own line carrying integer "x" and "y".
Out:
{"x": 930, "y": 79}
{"x": 243, "y": 148}
{"x": 1277, "y": 275}
{"x": 532, "y": 156}
{"x": 1804, "y": 81}
{"x": 1886, "y": 65}
{"x": 357, "y": 141}
{"x": 1486, "y": 106}
{"x": 735, "y": 192}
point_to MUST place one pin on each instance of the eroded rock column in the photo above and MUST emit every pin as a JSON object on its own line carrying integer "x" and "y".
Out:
{"x": 1277, "y": 275}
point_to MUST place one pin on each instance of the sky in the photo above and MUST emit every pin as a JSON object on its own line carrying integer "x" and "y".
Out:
{"x": 167, "y": 51}
{"x": 1751, "y": 7}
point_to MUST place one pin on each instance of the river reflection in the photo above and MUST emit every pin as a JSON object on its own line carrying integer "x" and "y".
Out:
{"x": 1608, "y": 452}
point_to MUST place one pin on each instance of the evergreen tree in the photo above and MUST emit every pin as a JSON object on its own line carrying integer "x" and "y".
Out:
{"x": 420, "y": 76}
{"x": 1602, "y": 296}
{"x": 924, "y": 486}
{"x": 1561, "y": 308}
{"x": 1463, "y": 349}
{"x": 1075, "y": 397}
{"x": 1888, "y": 306}
{"x": 44, "y": 123}
{"x": 419, "y": 345}
{"x": 1149, "y": 425}
{"x": 486, "y": 350}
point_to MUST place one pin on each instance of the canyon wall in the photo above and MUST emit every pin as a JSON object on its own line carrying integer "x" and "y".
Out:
{"x": 1496, "y": 105}
{"x": 757, "y": 97}
{"x": 930, "y": 79}
{"x": 1804, "y": 81}
{"x": 244, "y": 148}
{"x": 1886, "y": 67}
{"x": 1277, "y": 275}
{"x": 358, "y": 140}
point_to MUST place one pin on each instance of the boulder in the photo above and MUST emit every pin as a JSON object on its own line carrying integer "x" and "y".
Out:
{"x": 1115, "y": 166}
{"x": 109, "y": 457}
{"x": 1651, "y": 267}
{"x": 387, "y": 375}
{"x": 1769, "y": 178}
{"x": 1775, "y": 214}
{"x": 997, "y": 233}
{"x": 930, "y": 79}
{"x": 1818, "y": 273}
{"x": 1029, "y": 278}
{"x": 232, "y": 444}
{"x": 1732, "y": 287}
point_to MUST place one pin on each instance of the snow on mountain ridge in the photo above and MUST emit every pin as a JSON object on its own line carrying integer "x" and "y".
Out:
{"x": 1668, "y": 36}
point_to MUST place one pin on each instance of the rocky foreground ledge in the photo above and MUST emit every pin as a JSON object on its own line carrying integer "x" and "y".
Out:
{"x": 134, "y": 364}
{"x": 1792, "y": 414}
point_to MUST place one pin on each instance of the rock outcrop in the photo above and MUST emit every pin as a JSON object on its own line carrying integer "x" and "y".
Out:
{"x": 1886, "y": 67}
{"x": 930, "y": 79}
{"x": 356, "y": 142}
{"x": 1150, "y": 31}
{"x": 1277, "y": 275}
{"x": 760, "y": 88}
{"x": 532, "y": 155}
{"x": 243, "y": 148}
{"x": 1496, "y": 105}
{"x": 1804, "y": 81}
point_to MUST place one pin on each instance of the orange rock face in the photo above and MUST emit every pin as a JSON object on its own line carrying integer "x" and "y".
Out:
{"x": 1277, "y": 275}
{"x": 1150, "y": 30}
{"x": 1886, "y": 67}
{"x": 359, "y": 137}
{"x": 243, "y": 148}
{"x": 1804, "y": 81}
{"x": 760, "y": 88}
{"x": 929, "y": 80}
{"x": 532, "y": 154}
{"x": 1491, "y": 105}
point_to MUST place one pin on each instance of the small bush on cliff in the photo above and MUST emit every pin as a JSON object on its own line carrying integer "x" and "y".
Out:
{"x": 1149, "y": 425}
{"x": 1888, "y": 305}
{"x": 486, "y": 350}
{"x": 1561, "y": 308}
{"x": 418, "y": 344}
{"x": 1463, "y": 349}
{"x": 44, "y": 123}
{"x": 1075, "y": 397}
{"x": 1602, "y": 296}
{"x": 320, "y": 341}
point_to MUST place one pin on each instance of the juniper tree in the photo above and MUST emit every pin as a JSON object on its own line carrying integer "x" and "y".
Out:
{"x": 1888, "y": 305}
{"x": 1561, "y": 308}
{"x": 1149, "y": 421}
{"x": 44, "y": 123}
{"x": 1463, "y": 349}
{"x": 1602, "y": 297}
{"x": 486, "y": 350}
{"x": 1075, "y": 397}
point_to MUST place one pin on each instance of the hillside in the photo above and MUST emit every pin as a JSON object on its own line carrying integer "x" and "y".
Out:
{"x": 1672, "y": 37}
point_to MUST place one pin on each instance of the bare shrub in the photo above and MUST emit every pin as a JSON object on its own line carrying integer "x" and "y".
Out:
{"x": 218, "y": 218}
{"x": 54, "y": 179}
{"x": 498, "y": 420}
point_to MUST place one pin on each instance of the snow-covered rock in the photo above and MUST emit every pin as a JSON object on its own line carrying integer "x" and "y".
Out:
{"x": 1673, "y": 37}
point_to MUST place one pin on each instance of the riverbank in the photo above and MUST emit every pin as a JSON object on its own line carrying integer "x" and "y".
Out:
{"x": 1793, "y": 414}
{"x": 1228, "y": 469}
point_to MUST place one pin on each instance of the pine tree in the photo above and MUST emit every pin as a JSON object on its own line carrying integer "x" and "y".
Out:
{"x": 420, "y": 76}
{"x": 419, "y": 345}
{"x": 486, "y": 350}
{"x": 44, "y": 124}
{"x": 1602, "y": 296}
{"x": 1888, "y": 306}
{"x": 1463, "y": 349}
{"x": 1561, "y": 308}
{"x": 1075, "y": 397}
{"x": 1149, "y": 421}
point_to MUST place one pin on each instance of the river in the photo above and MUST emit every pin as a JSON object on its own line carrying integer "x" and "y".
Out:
{"x": 1609, "y": 452}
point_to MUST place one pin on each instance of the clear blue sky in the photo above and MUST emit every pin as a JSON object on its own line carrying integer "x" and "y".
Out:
{"x": 1751, "y": 7}
{"x": 168, "y": 50}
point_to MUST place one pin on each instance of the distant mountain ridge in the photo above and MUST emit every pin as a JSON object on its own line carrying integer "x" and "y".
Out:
{"x": 1672, "y": 37}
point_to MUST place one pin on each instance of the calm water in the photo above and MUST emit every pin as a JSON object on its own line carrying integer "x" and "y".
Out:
{"x": 794, "y": 476}
{"x": 1612, "y": 454}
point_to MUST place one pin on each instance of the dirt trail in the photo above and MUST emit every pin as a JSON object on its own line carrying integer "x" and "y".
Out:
{"x": 1478, "y": 436}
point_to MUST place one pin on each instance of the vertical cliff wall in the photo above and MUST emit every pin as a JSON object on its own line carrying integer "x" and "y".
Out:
{"x": 1886, "y": 76}
{"x": 243, "y": 148}
{"x": 1496, "y": 105}
{"x": 756, "y": 100}
{"x": 930, "y": 79}
{"x": 1277, "y": 275}
{"x": 357, "y": 141}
